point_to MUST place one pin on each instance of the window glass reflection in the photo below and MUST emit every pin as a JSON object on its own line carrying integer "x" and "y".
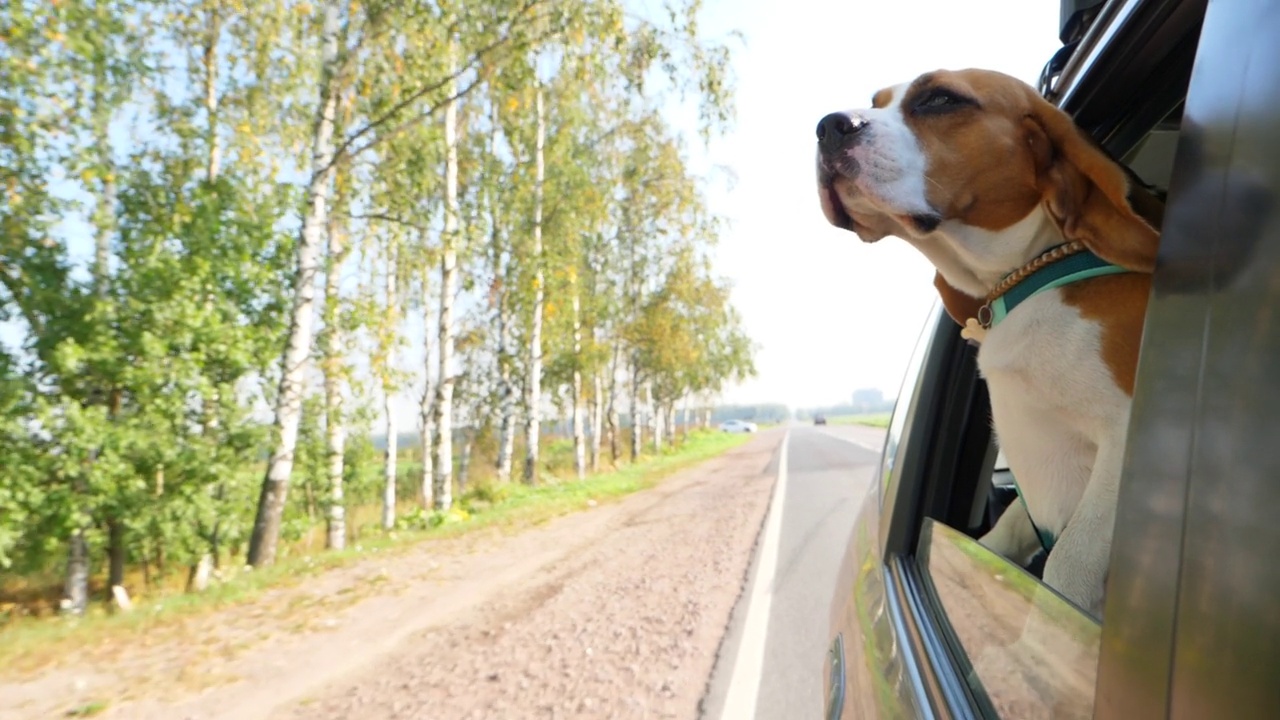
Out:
{"x": 1028, "y": 652}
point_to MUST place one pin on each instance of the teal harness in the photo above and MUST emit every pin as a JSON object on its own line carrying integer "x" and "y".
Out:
{"x": 1081, "y": 265}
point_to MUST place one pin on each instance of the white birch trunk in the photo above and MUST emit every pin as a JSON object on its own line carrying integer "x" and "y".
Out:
{"x": 506, "y": 394}
{"x": 335, "y": 424}
{"x": 637, "y": 427}
{"x": 288, "y": 410}
{"x": 577, "y": 421}
{"x": 615, "y": 424}
{"x": 212, "y": 169}
{"x": 388, "y": 394}
{"x": 443, "y": 495}
{"x": 533, "y": 387}
{"x": 655, "y": 409}
{"x": 502, "y": 276}
{"x": 427, "y": 407}
{"x": 597, "y": 418}
{"x": 211, "y": 91}
{"x": 684, "y": 424}
{"x": 389, "y": 461}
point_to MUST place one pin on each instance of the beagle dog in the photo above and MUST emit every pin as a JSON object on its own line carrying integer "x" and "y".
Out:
{"x": 1044, "y": 248}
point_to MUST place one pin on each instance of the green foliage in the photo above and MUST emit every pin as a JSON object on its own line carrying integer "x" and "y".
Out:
{"x": 154, "y": 160}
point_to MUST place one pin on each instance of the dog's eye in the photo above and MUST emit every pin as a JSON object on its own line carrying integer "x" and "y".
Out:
{"x": 940, "y": 100}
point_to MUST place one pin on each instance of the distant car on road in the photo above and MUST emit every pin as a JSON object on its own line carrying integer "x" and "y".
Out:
{"x": 738, "y": 426}
{"x": 819, "y": 420}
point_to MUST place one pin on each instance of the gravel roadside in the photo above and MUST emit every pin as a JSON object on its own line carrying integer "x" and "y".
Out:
{"x": 626, "y": 625}
{"x": 614, "y": 612}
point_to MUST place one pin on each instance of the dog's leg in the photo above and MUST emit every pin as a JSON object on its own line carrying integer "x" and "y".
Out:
{"x": 1013, "y": 535}
{"x": 1077, "y": 568}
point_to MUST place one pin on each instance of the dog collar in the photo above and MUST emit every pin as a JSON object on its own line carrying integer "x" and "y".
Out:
{"x": 1058, "y": 266}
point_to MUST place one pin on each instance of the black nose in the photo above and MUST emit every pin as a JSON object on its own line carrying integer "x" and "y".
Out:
{"x": 836, "y": 129}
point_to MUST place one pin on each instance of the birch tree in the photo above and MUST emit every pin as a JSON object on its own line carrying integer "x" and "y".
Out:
{"x": 533, "y": 383}
{"x": 288, "y": 410}
{"x": 443, "y": 490}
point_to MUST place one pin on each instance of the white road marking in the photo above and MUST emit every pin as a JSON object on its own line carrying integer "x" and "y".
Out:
{"x": 864, "y": 446}
{"x": 876, "y": 447}
{"x": 748, "y": 667}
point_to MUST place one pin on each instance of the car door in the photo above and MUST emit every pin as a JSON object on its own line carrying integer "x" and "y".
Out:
{"x": 1193, "y": 610}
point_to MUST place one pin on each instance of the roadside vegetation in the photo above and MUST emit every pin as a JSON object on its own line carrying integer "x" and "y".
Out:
{"x": 30, "y": 642}
{"x": 240, "y": 240}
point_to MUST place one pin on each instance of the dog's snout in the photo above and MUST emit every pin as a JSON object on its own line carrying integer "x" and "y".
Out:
{"x": 838, "y": 129}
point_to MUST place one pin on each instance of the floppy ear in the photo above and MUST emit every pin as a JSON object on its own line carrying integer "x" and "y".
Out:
{"x": 1086, "y": 192}
{"x": 959, "y": 306}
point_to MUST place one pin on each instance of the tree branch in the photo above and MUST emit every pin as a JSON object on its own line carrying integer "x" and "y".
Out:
{"x": 346, "y": 147}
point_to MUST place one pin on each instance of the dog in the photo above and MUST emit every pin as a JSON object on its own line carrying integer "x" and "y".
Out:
{"x": 1044, "y": 248}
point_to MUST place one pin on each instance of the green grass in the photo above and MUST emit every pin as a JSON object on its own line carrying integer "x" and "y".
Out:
{"x": 880, "y": 420}
{"x": 27, "y": 644}
{"x": 87, "y": 710}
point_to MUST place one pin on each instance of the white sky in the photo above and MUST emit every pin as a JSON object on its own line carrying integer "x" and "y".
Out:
{"x": 832, "y": 314}
{"x": 829, "y": 313}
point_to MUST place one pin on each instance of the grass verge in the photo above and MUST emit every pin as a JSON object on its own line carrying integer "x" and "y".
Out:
{"x": 880, "y": 420}
{"x": 29, "y": 644}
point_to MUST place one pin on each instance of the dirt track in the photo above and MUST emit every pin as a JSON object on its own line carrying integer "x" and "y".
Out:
{"x": 615, "y": 612}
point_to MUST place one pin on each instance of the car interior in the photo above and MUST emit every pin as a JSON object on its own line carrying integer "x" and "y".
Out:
{"x": 972, "y": 484}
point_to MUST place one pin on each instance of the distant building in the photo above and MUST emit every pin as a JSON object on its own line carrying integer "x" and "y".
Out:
{"x": 868, "y": 400}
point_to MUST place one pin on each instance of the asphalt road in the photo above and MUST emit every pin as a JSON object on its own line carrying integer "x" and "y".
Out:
{"x": 827, "y": 474}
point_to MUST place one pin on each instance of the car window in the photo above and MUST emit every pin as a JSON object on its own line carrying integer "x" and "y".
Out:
{"x": 902, "y": 406}
{"x": 1026, "y": 652}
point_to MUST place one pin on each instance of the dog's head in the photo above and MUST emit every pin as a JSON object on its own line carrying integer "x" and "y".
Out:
{"x": 977, "y": 171}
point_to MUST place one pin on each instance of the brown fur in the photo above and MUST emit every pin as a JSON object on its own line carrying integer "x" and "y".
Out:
{"x": 981, "y": 171}
{"x": 992, "y": 162}
{"x": 1119, "y": 304}
{"x": 960, "y": 306}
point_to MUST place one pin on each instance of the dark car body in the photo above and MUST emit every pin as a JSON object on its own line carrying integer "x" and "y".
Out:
{"x": 926, "y": 622}
{"x": 819, "y": 420}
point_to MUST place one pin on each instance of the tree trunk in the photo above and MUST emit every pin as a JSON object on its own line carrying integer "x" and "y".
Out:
{"x": 533, "y": 386}
{"x": 288, "y": 411}
{"x": 75, "y": 598}
{"x": 655, "y": 410}
{"x": 615, "y": 425}
{"x": 684, "y": 424}
{"x": 443, "y": 496}
{"x": 427, "y": 404}
{"x": 501, "y": 288}
{"x": 637, "y": 428}
{"x": 671, "y": 424}
{"x": 335, "y": 425}
{"x": 389, "y": 462}
{"x": 597, "y": 418}
{"x": 506, "y": 395}
{"x": 211, "y": 90}
{"x": 427, "y": 439}
{"x": 464, "y": 462}
{"x": 115, "y": 553}
{"x": 212, "y": 169}
{"x": 577, "y": 422}
{"x": 388, "y": 394}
